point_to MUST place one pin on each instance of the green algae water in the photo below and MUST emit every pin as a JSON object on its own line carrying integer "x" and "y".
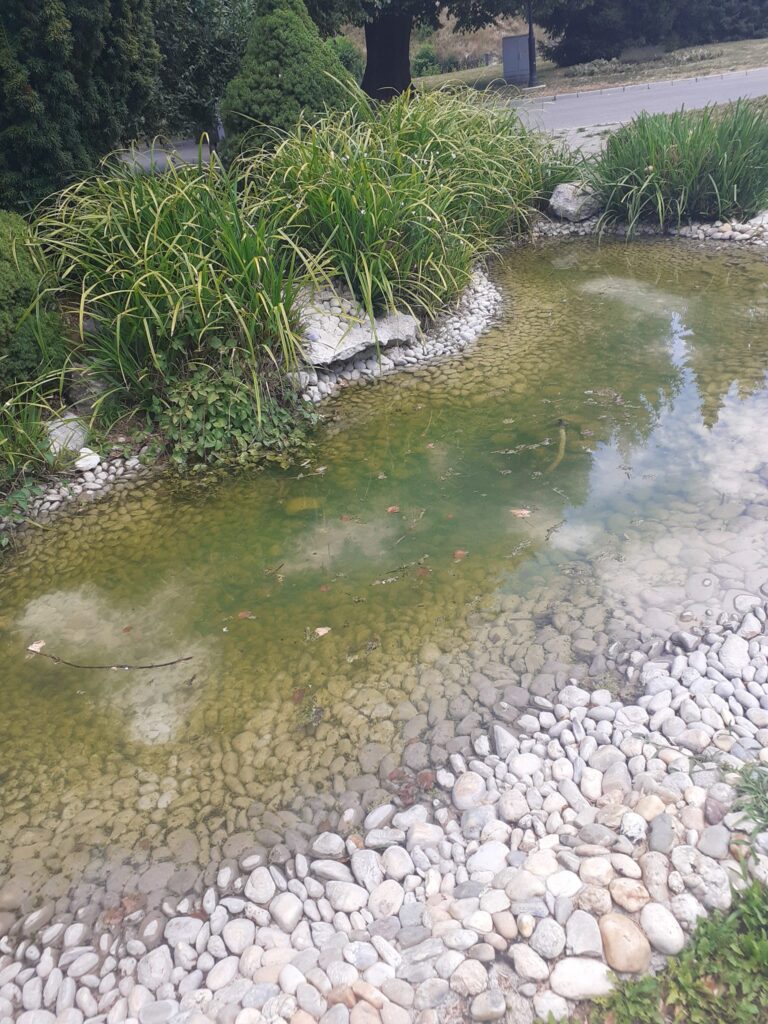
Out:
{"x": 592, "y": 472}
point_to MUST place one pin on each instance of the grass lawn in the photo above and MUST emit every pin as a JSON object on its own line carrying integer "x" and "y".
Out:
{"x": 694, "y": 60}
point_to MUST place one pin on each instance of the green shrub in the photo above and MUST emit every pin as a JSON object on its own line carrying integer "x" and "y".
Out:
{"x": 720, "y": 976}
{"x": 170, "y": 273}
{"x": 287, "y": 72}
{"x": 216, "y": 415}
{"x": 349, "y": 56}
{"x": 703, "y": 164}
{"x": 425, "y": 62}
{"x": 402, "y": 198}
{"x": 27, "y": 343}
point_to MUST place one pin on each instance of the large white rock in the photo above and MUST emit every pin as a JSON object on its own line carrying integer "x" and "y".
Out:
{"x": 333, "y": 339}
{"x": 66, "y": 433}
{"x": 577, "y": 977}
{"x": 574, "y": 201}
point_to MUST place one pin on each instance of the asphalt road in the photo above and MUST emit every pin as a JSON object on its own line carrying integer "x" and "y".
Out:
{"x": 569, "y": 111}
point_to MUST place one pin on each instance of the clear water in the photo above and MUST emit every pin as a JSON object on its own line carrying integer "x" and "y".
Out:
{"x": 593, "y": 471}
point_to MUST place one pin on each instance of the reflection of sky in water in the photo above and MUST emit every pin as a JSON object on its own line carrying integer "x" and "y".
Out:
{"x": 680, "y": 458}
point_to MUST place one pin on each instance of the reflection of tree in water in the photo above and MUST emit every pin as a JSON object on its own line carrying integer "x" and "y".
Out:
{"x": 727, "y": 314}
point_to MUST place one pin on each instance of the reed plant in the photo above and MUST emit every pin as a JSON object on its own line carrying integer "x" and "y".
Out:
{"x": 163, "y": 270}
{"x": 402, "y": 198}
{"x": 691, "y": 165}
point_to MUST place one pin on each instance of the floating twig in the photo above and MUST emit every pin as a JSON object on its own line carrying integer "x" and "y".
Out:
{"x": 34, "y": 649}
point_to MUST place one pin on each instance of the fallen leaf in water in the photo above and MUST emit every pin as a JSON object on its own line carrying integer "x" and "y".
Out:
{"x": 423, "y": 571}
{"x": 520, "y": 513}
{"x": 127, "y": 629}
{"x": 431, "y": 444}
{"x": 37, "y": 646}
{"x": 246, "y": 615}
{"x": 393, "y": 509}
{"x": 322, "y": 630}
{"x": 459, "y": 555}
{"x": 324, "y": 588}
{"x": 298, "y": 695}
{"x": 345, "y": 519}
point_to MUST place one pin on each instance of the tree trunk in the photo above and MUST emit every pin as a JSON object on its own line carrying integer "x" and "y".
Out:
{"x": 388, "y": 60}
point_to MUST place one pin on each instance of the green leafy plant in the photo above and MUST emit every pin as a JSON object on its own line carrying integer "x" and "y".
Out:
{"x": 720, "y": 976}
{"x": 218, "y": 415}
{"x": 667, "y": 168}
{"x": 425, "y": 61}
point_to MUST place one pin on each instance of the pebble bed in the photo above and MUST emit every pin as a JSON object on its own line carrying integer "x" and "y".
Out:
{"x": 753, "y": 232}
{"x": 570, "y": 838}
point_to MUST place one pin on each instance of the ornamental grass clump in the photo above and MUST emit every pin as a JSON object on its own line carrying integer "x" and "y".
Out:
{"x": 691, "y": 165}
{"x": 402, "y": 198}
{"x": 162, "y": 271}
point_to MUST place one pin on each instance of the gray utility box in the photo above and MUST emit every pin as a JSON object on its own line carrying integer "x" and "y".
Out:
{"x": 514, "y": 54}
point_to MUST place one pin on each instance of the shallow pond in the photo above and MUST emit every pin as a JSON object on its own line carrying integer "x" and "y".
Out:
{"x": 593, "y": 471}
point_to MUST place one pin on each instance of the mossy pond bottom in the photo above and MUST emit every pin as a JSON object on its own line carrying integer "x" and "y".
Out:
{"x": 593, "y": 472}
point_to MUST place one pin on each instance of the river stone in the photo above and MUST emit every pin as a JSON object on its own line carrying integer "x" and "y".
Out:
{"x": 661, "y": 929}
{"x": 512, "y": 806}
{"x": 548, "y": 940}
{"x": 563, "y": 883}
{"x": 327, "y": 845}
{"x": 260, "y": 887}
{"x": 550, "y": 1006}
{"x": 222, "y": 973}
{"x": 489, "y": 1005}
{"x": 397, "y": 863}
{"x": 468, "y": 791}
{"x": 182, "y": 929}
{"x": 522, "y": 885}
{"x": 574, "y": 201}
{"x": 385, "y": 900}
{"x": 661, "y": 834}
{"x": 469, "y": 979}
{"x": 286, "y": 909}
{"x": 528, "y": 964}
{"x": 578, "y": 978}
{"x": 703, "y": 876}
{"x": 625, "y": 947}
{"x": 583, "y": 935}
{"x": 629, "y": 894}
{"x": 238, "y": 935}
{"x": 346, "y": 896}
{"x": 366, "y": 867}
{"x": 734, "y": 656}
{"x": 715, "y": 841}
{"x": 154, "y": 969}
{"x": 491, "y": 856}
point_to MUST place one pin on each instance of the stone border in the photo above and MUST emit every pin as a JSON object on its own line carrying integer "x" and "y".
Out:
{"x": 571, "y": 839}
{"x": 753, "y": 232}
{"x": 455, "y": 329}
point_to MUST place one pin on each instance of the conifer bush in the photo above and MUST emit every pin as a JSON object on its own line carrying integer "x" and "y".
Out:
{"x": 287, "y": 72}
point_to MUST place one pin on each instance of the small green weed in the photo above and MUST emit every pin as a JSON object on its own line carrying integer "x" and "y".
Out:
{"x": 720, "y": 977}
{"x": 753, "y": 795}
